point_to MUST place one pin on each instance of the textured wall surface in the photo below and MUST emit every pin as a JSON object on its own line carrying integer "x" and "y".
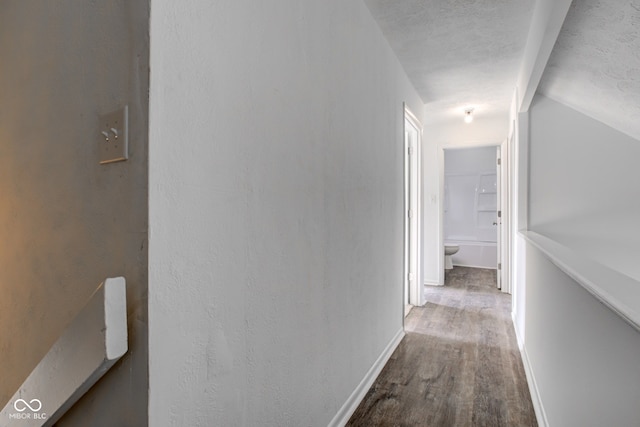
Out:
{"x": 595, "y": 64}
{"x": 458, "y": 53}
{"x": 276, "y": 209}
{"x": 67, "y": 222}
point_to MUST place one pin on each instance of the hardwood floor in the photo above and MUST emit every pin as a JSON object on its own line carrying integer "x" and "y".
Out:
{"x": 459, "y": 364}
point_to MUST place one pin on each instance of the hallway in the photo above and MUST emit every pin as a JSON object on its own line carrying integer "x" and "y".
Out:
{"x": 458, "y": 365}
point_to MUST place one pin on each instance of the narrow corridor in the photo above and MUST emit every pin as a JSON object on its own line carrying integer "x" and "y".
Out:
{"x": 459, "y": 364}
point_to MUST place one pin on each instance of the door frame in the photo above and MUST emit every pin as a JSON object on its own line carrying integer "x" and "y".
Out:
{"x": 505, "y": 255}
{"x": 499, "y": 235}
{"x": 415, "y": 287}
{"x": 506, "y": 221}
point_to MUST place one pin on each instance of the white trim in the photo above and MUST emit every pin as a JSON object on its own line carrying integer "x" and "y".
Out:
{"x": 518, "y": 337}
{"x": 440, "y": 215}
{"x": 461, "y": 242}
{"x": 433, "y": 284}
{"x": 412, "y": 117}
{"x": 413, "y": 121}
{"x": 546, "y": 23}
{"x": 90, "y": 345}
{"x": 350, "y": 406}
{"x": 538, "y": 408}
{"x": 522, "y": 161}
{"x": 618, "y": 291}
{"x": 505, "y": 207}
{"x": 506, "y": 220}
{"x": 476, "y": 266}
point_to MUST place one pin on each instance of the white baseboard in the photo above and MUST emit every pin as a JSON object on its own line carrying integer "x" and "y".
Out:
{"x": 350, "y": 406}
{"x": 488, "y": 267}
{"x": 541, "y": 415}
{"x": 433, "y": 284}
{"x": 515, "y": 327}
{"x": 430, "y": 281}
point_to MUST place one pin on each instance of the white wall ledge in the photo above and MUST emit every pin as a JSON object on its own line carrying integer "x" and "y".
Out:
{"x": 614, "y": 289}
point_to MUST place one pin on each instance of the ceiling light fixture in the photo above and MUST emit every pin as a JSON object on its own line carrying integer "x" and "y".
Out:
{"x": 468, "y": 115}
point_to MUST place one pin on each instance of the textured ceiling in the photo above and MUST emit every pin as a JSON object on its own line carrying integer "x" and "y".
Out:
{"x": 595, "y": 64}
{"x": 458, "y": 53}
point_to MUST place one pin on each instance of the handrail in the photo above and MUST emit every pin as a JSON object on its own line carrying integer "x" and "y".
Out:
{"x": 90, "y": 345}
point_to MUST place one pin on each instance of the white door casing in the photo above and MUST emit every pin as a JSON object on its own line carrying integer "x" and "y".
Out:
{"x": 412, "y": 212}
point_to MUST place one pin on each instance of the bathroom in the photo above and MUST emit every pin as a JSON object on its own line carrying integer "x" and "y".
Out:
{"x": 470, "y": 207}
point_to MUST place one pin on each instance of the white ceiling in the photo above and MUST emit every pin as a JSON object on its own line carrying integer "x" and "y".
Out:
{"x": 458, "y": 53}
{"x": 468, "y": 53}
{"x": 595, "y": 64}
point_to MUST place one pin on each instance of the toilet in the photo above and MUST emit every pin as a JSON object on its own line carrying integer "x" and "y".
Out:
{"x": 448, "y": 251}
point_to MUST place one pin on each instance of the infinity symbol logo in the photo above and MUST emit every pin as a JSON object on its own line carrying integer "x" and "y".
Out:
{"x": 21, "y": 405}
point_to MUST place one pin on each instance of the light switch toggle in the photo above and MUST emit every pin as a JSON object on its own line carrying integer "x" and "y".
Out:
{"x": 114, "y": 130}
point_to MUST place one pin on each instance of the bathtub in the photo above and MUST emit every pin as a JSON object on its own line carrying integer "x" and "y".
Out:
{"x": 475, "y": 254}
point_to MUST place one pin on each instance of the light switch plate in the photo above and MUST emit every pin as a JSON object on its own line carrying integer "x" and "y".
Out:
{"x": 113, "y": 136}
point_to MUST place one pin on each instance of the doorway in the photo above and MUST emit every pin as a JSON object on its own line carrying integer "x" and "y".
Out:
{"x": 472, "y": 213}
{"x": 412, "y": 213}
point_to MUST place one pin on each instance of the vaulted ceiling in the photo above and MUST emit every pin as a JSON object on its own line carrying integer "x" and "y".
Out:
{"x": 595, "y": 64}
{"x": 468, "y": 53}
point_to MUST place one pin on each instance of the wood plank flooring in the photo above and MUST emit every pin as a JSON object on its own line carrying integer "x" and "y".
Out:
{"x": 459, "y": 364}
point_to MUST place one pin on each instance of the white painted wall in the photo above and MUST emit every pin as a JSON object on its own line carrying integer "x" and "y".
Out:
{"x": 581, "y": 355}
{"x": 439, "y": 135}
{"x": 66, "y": 222}
{"x": 470, "y": 160}
{"x": 276, "y": 218}
{"x": 585, "y": 185}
